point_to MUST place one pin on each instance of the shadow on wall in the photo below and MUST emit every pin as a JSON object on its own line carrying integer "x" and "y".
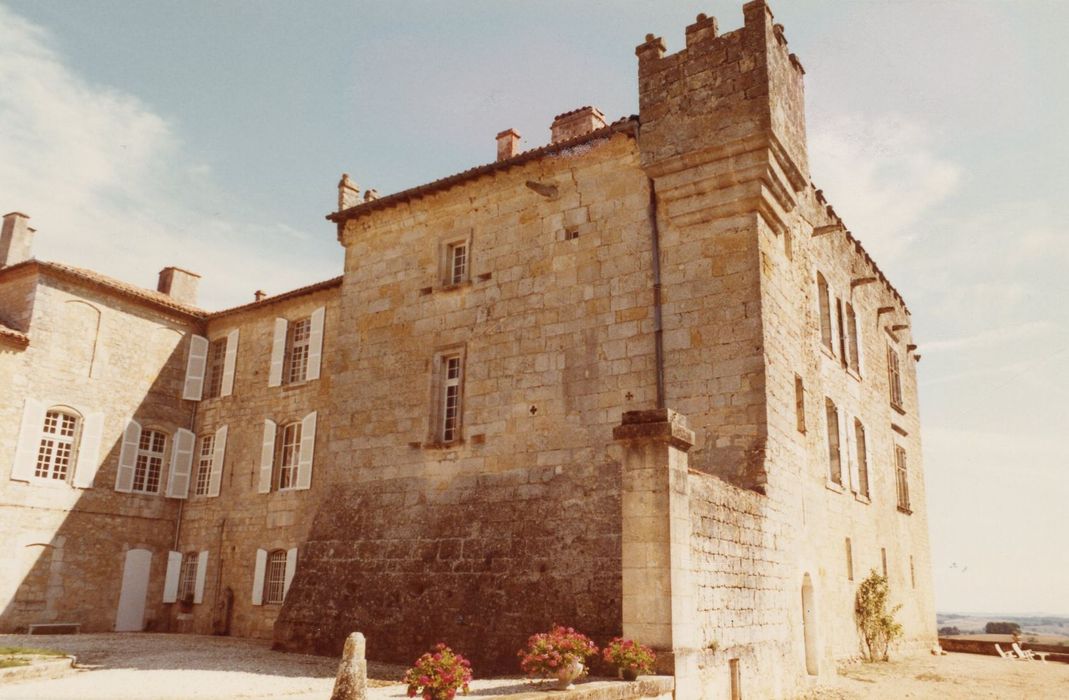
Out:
{"x": 68, "y": 560}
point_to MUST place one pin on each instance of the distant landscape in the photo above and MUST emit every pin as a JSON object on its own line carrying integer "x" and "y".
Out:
{"x": 1039, "y": 629}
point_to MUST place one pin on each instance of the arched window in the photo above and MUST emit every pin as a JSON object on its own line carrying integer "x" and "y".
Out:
{"x": 825, "y": 311}
{"x": 275, "y": 577}
{"x": 59, "y": 442}
{"x": 149, "y": 466}
{"x": 289, "y": 453}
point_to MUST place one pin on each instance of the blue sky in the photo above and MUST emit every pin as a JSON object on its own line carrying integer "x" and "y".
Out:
{"x": 211, "y": 135}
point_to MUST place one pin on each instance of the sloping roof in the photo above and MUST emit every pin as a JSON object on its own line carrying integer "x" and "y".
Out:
{"x": 626, "y": 126}
{"x": 284, "y": 296}
{"x": 80, "y": 274}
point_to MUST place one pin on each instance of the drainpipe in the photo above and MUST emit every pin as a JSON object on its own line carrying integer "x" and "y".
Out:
{"x": 658, "y": 330}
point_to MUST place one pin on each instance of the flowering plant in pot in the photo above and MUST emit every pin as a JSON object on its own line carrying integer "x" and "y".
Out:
{"x": 562, "y": 653}
{"x": 438, "y": 675}
{"x": 629, "y": 657}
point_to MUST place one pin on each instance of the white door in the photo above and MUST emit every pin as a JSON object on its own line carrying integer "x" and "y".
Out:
{"x": 131, "y": 614}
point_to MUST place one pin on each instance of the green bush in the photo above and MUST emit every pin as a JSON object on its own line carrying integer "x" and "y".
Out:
{"x": 875, "y": 623}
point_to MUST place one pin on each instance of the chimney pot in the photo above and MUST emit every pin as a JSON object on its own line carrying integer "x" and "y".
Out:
{"x": 179, "y": 284}
{"x": 16, "y": 239}
{"x": 575, "y": 123}
{"x": 508, "y": 144}
{"x": 348, "y": 193}
{"x": 259, "y": 294}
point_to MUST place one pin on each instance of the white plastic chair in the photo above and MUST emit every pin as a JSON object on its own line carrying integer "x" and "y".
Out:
{"x": 1004, "y": 654}
{"x": 1027, "y": 654}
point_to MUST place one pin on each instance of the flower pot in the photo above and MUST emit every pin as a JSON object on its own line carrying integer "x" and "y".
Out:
{"x": 568, "y": 673}
{"x": 629, "y": 674}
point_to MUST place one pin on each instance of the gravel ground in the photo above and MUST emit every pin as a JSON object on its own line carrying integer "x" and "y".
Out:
{"x": 168, "y": 666}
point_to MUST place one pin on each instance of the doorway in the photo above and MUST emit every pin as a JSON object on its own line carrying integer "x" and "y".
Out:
{"x": 131, "y": 614}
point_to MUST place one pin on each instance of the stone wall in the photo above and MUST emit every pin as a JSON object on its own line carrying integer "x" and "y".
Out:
{"x": 480, "y": 562}
{"x": 63, "y": 547}
{"x": 744, "y": 589}
{"x": 240, "y": 520}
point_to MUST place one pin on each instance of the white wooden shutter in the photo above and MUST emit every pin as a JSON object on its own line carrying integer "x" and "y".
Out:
{"x": 258, "y": 577}
{"x": 860, "y": 342}
{"x": 181, "y": 464}
{"x": 315, "y": 343}
{"x": 267, "y": 456}
{"x": 291, "y": 568}
{"x": 230, "y": 363}
{"x": 855, "y": 474}
{"x": 124, "y": 477}
{"x": 85, "y": 469}
{"x": 834, "y": 312}
{"x": 33, "y": 423}
{"x": 195, "y": 366}
{"x": 170, "y": 582}
{"x": 308, "y": 443}
{"x": 218, "y": 455}
{"x": 202, "y": 570}
{"x": 278, "y": 352}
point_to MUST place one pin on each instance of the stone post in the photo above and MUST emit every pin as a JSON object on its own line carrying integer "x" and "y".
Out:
{"x": 658, "y": 592}
{"x": 351, "y": 682}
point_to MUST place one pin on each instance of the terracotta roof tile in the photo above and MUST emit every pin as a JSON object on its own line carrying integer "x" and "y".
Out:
{"x": 625, "y": 125}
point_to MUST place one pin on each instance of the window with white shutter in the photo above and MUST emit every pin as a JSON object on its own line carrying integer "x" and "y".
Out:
{"x": 205, "y": 452}
{"x": 124, "y": 477}
{"x": 258, "y": 577}
{"x": 267, "y": 456}
{"x": 170, "y": 582}
{"x": 307, "y": 451}
{"x": 196, "y": 365}
{"x": 315, "y": 343}
{"x": 278, "y": 352}
{"x": 181, "y": 464}
{"x": 218, "y": 461}
{"x": 58, "y": 443}
{"x": 230, "y": 362}
{"x": 89, "y": 450}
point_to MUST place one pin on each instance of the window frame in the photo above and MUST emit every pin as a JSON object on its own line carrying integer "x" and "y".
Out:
{"x": 51, "y": 473}
{"x": 853, "y": 341}
{"x": 215, "y": 368}
{"x": 894, "y": 378}
{"x": 298, "y": 349}
{"x": 457, "y": 263}
{"x": 835, "y": 451}
{"x": 205, "y": 464}
{"x": 862, "y": 448}
{"x": 901, "y": 479}
{"x": 799, "y": 403}
{"x": 286, "y": 472}
{"x": 187, "y": 576}
{"x": 824, "y": 310}
{"x": 276, "y": 559}
{"x": 149, "y": 455}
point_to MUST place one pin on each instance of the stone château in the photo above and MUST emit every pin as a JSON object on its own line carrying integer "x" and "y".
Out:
{"x": 641, "y": 380}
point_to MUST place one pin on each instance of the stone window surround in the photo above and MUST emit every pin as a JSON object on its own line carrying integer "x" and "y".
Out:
{"x": 435, "y": 438}
{"x": 446, "y": 247}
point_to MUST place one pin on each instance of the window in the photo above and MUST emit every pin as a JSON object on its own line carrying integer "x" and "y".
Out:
{"x": 297, "y": 345}
{"x": 849, "y": 560}
{"x": 216, "y": 365}
{"x": 894, "y": 377}
{"x": 457, "y": 260}
{"x": 187, "y": 579}
{"x": 799, "y": 403}
{"x": 851, "y": 339}
{"x": 839, "y": 326}
{"x": 450, "y": 398}
{"x": 149, "y": 465}
{"x": 883, "y": 558}
{"x": 825, "y": 311}
{"x": 205, "y": 450}
{"x": 289, "y": 455}
{"x": 862, "y": 459}
{"x": 275, "y": 577}
{"x": 834, "y": 456}
{"x": 59, "y": 437}
{"x": 901, "y": 479}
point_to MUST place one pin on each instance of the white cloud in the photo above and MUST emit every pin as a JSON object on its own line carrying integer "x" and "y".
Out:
{"x": 882, "y": 175}
{"x": 109, "y": 185}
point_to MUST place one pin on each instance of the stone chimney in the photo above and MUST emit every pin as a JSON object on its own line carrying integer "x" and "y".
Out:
{"x": 576, "y": 123}
{"x": 16, "y": 239}
{"x": 179, "y": 284}
{"x": 508, "y": 144}
{"x": 348, "y": 193}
